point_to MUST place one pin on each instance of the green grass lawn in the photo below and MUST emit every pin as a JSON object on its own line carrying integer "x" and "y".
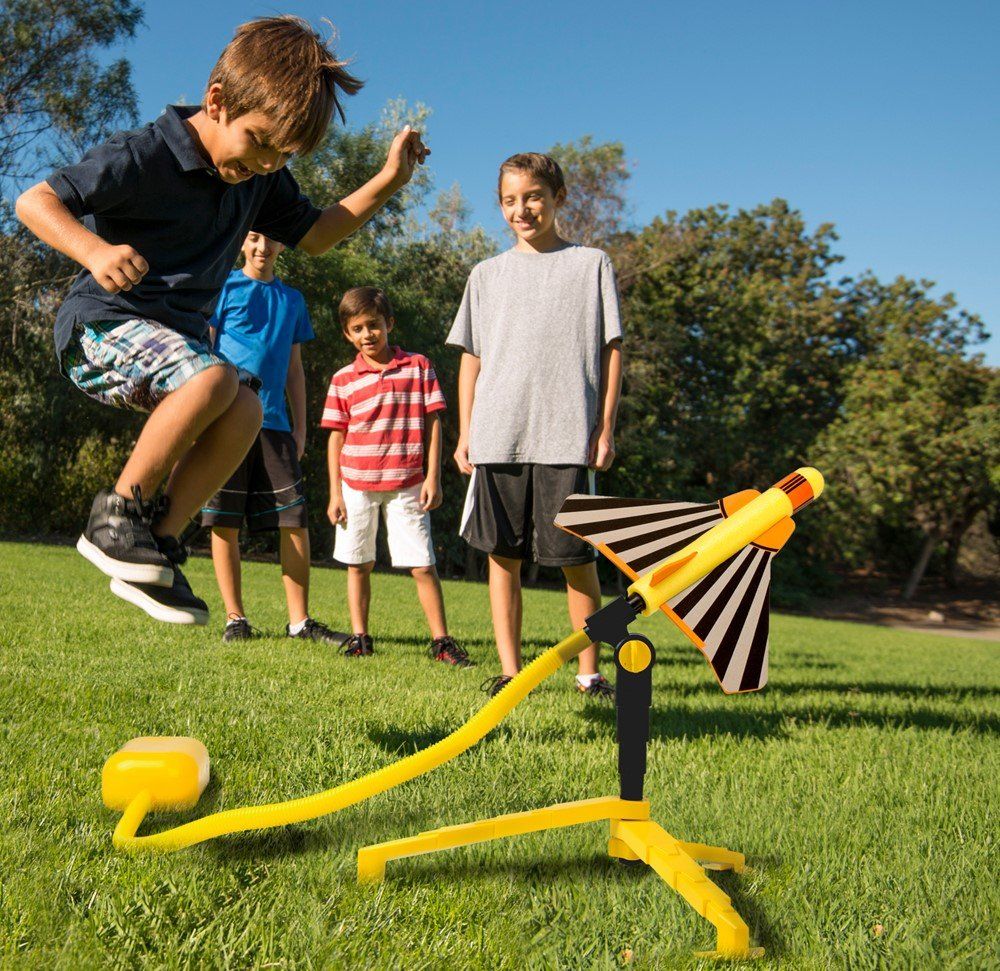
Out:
{"x": 862, "y": 786}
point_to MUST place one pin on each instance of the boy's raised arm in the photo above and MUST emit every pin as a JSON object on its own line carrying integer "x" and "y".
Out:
{"x": 338, "y": 221}
{"x": 113, "y": 267}
{"x": 468, "y": 374}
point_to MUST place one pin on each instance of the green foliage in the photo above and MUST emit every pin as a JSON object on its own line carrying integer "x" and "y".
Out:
{"x": 916, "y": 446}
{"x": 596, "y": 181}
{"x": 56, "y": 98}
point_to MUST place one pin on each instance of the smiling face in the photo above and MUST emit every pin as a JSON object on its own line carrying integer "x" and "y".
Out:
{"x": 529, "y": 208}
{"x": 260, "y": 254}
{"x": 369, "y": 333}
{"x": 241, "y": 147}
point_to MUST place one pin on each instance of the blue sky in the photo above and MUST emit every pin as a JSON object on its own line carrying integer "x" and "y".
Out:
{"x": 883, "y": 118}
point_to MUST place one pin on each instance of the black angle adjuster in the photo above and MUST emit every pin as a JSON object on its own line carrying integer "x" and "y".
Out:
{"x": 634, "y": 657}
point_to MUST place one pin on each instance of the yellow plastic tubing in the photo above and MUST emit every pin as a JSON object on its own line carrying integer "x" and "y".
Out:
{"x": 342, "y": 796}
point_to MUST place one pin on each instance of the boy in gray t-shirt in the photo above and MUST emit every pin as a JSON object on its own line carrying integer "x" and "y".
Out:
{"x": 538, "y": 392}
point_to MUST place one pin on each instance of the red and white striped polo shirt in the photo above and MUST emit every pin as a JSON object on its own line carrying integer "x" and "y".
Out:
{"x": 383, "y": 412}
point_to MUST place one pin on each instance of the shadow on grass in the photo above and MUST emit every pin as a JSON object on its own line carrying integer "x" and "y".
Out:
{"x": 435, "y": 868}
{"x": 667, "y": 722}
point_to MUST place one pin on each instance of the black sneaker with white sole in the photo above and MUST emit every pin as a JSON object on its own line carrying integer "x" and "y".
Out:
{"x": 239, "y": 629}
{"x": 118, "y": 542}
{"x": 176, "y": 604}
{"x": 313, "y": 630}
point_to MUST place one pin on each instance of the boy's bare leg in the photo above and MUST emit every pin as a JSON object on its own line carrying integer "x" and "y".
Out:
{"x": 359, "y": 595}
{"x": 431, "y": 599}
{"x": 505, "y": 605}
{"x": 226, "y": 560}
{"x": 583, "y": 597}
{"x": 211, "y": 460}
{"x": 174, "y": 425}
{"x": 295, "y": 571}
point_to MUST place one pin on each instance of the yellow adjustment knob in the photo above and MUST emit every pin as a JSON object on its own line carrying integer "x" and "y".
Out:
{"x": 635, "y": 656}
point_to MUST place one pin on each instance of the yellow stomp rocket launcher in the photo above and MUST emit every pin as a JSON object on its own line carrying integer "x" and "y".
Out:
{"x": 707, "y": 566}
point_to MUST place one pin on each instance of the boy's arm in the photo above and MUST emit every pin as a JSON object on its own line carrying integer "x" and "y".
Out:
{"x": 601, "y": 452}
{"x": 295, "y": 388}
{"x": 430, "y": 491}
{"x": 468, "y": 374}
{"x": 113, "y": 267}
{"x": 338, "y": 221}
{"x": 336, "y": 512}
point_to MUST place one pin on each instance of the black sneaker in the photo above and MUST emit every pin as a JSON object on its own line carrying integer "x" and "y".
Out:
{"x": 359, "y": 645}
{"x": 239, "y": 629}
{"x": 446, "y": 649}
{"x": 600, "y": 688}
{"x": 118, "y": 542}
{"x": 175, "y": 604}
{"x": 313, "y": 630}
{"x": 493, "y": 686}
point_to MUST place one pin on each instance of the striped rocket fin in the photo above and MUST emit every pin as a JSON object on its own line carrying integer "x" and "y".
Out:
{"x": 637, "y": 535}
{"x": 726, "y": 615}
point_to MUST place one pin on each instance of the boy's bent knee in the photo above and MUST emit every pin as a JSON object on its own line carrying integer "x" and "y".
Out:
{"x": 423, "y": 571}
{"x": 248, "y": 406}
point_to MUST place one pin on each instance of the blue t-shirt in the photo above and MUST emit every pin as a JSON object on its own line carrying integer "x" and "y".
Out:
{"x": 256, "y": 324}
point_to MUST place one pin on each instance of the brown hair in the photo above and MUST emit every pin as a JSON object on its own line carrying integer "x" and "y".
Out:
{"x": 542, "y": 167}
{"x": 368, "y": 301}
{"x": 282, "y": 67}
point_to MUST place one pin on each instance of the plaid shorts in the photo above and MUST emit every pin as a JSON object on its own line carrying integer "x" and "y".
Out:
{"x": 135, "y": 364}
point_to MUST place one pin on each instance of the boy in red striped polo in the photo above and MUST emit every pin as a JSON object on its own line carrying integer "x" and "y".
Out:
{"x": 382, "y": 412}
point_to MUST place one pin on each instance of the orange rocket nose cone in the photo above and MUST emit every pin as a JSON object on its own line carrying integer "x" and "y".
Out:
{"x": 798, "y": 486}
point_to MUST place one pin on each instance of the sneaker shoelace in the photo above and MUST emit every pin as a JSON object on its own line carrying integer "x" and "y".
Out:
{"x": 600, "y": 687}
{"x": 310, "y": 628}
{"x": 241, "y": 624}
{"x": 447, "y": 649}
{"x": 357, "y": 645}
{"x": 496, "y": 684}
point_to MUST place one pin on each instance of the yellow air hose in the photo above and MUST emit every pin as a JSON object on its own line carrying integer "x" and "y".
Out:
{"x": 357, "y": 790}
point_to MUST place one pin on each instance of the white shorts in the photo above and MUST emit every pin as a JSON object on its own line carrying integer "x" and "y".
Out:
{"x": 409, "y": 527}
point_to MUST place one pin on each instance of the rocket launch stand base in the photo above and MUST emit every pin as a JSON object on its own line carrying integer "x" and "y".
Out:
{"x": 634, "y": 836}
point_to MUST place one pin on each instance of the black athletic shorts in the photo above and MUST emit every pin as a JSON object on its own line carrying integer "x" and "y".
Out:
{"x": 266, "y": 489}
{"x": 509, "y": 511}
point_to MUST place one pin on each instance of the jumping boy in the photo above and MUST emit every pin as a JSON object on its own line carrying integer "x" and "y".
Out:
{"x": 538, "y": 390}
{"x": 260, "y": 324}
{"x": 156, "y": 217}
{"x": 382, "y": 412}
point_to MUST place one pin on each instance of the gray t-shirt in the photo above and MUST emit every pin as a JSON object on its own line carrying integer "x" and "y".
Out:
{"x": 538, "y": 323}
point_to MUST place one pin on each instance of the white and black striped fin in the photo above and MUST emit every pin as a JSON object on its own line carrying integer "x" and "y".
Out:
{"x": 637, "y": 535}
{"x": 726, "y": 615}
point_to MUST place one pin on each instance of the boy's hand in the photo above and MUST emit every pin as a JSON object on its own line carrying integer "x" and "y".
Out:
{"x": 117, "y": 267}
{"x": 337, "y": 510}
{"x": 406, "y": 152}
{"x": 300, "y": 442}
{"x": 601, "y": 453}
{"x": 462, "y": 457}
{"x": 430, "y": 495}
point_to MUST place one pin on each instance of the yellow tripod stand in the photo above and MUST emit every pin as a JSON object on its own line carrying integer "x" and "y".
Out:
{"x": 634, "y": 836}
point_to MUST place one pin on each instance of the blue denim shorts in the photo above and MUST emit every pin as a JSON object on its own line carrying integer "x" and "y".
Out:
{"x": 135, "y": 364}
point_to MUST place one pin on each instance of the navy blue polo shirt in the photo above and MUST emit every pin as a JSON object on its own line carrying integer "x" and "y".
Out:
{"x": 153, "y": 190}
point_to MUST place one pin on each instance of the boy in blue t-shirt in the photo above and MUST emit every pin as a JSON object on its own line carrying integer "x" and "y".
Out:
{"x": 260, "y": 325}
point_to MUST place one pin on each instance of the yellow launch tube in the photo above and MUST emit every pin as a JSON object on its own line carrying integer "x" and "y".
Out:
{"x": 705, "y": 553}
{"x": 322, "y": 803}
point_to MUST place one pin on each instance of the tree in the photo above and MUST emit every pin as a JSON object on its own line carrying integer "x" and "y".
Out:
{"x": 596, "y": 175}
{"x": 916, "y": 447}
{"x": 56, "y": 100}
